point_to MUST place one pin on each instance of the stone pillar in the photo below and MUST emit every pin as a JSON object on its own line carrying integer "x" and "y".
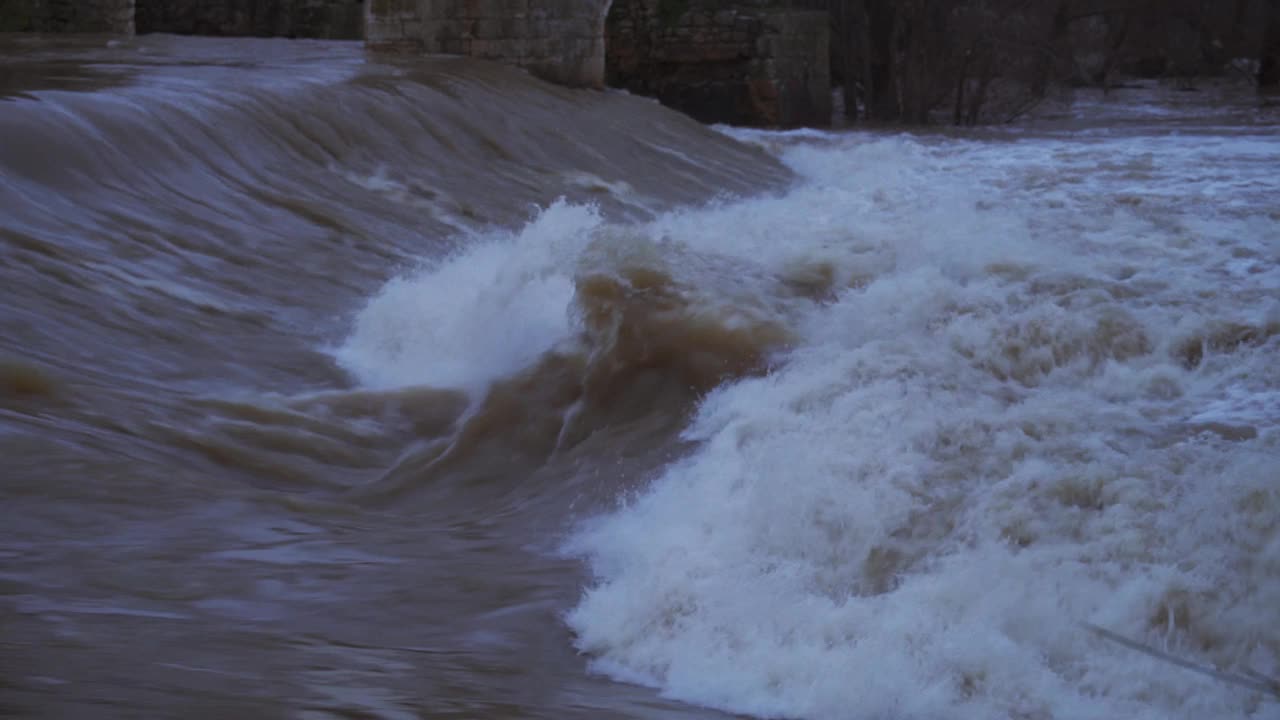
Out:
{"x": 558, "y": 40}
{"x": 742, "y": 63}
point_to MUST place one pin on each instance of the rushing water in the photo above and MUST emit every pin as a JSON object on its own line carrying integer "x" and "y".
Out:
{"x": 341, "y": 387}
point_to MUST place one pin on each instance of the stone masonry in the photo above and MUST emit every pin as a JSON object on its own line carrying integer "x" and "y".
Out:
{"x": 747, "y": 62}
{"x": 752, "y": 62}
{"x": 330, "y": 19}
{"x": 84, "y": 16}
{"x": 557, "y": 40}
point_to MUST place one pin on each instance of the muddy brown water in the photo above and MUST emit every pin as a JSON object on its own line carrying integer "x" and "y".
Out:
{"x": 315, "y": 365}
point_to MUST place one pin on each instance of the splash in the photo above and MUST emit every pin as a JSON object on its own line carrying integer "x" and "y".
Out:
{"x": 987, "y": 438}
{"x": 478, "y": 315}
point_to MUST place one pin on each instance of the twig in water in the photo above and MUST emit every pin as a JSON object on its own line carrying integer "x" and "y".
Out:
{"x": 1252, "y": 680}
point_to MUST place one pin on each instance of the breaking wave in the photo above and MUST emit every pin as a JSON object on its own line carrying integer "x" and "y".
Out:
{"x": 840, "y": 425}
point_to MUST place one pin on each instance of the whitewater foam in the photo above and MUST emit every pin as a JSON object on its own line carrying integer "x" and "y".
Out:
{"x": 960, "y": 460}
{"x": 1018, "y": 386}
{"x": 479, "y": 314}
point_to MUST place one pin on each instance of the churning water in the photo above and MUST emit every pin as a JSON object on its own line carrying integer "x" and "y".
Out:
{"x": 334, "y": 386}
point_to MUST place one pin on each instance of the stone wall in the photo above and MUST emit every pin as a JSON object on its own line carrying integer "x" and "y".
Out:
{"x": 558, "y": 40}
{"x": 331, "y": 19}
{"x": 746, "y": 63}
{"x": 88, "y": 16}
{"x": 753, "y": 62}
{"x": 1269, "y": 55}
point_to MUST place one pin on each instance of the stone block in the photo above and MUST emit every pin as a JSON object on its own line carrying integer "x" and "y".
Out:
{"x": 513, "y": 27}
{"x": 518, "y": 47}
{"x": 486, "y": 28}
{"x": 766, "y": 46}
{"x": 744, "y": 62}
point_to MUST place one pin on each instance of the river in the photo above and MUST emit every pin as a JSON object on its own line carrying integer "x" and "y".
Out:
{"x": 337, "y": 386}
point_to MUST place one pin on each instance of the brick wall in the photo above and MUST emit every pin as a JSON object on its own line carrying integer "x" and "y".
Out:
{"x": 558, "y": 40}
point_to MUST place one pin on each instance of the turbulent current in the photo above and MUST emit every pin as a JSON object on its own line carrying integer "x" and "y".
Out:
{"x": 341, "y": 386}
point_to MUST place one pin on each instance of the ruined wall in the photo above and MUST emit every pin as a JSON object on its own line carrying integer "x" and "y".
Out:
{"x": 88, "y": 16}
{"x": 558, "y": 40}
{"x": 330, "y": 19}
{"x": 748, "y": 63}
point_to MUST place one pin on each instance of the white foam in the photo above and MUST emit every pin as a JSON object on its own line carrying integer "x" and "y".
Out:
{"x": 961, "y": 463}
{"x": 475, "y": 316}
